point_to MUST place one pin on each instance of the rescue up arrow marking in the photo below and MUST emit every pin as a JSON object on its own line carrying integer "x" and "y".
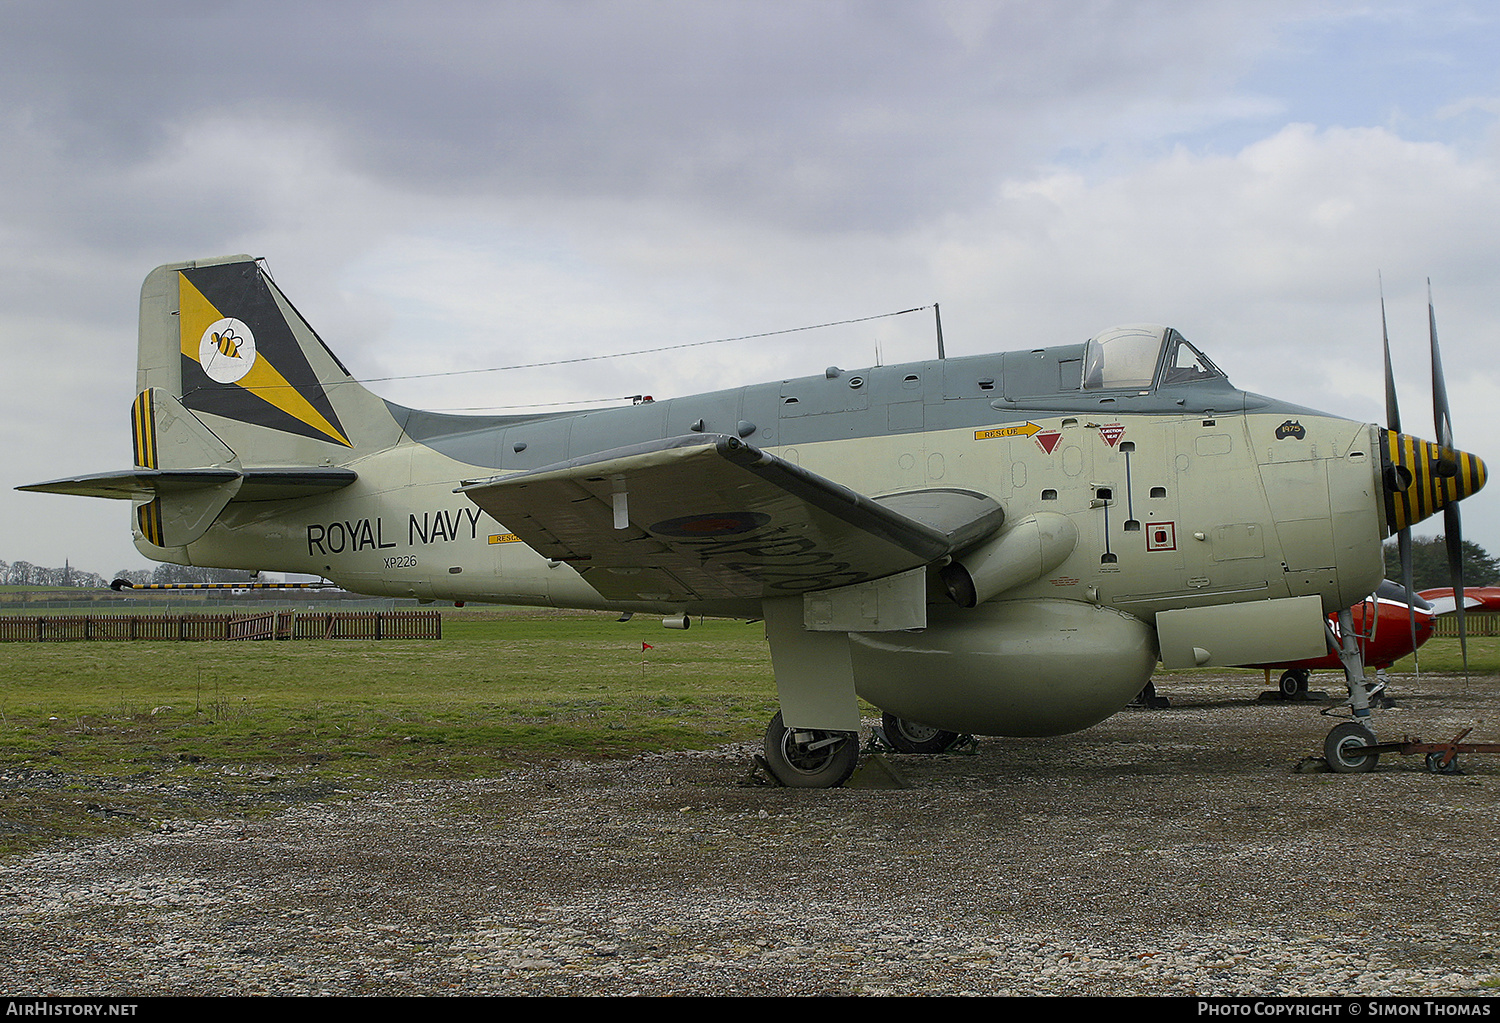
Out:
{"x": 1029, "y": 430}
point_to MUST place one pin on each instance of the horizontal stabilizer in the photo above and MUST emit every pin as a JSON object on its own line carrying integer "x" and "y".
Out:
{"x": 135, "y": 483}
{"x": 184, "y": 475}
{"x": 257, "y": 485}
{"x": 711, "y": 517}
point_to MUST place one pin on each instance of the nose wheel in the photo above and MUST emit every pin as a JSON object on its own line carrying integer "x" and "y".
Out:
{"x": 1344, "y": 748}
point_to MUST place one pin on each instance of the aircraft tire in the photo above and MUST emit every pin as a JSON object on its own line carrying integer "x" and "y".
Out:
{"x": 1293, "y": 684}
{"x": 825, "y": 762}
{"x": 1350, "y": 734}
{"x": 915, "y": 737}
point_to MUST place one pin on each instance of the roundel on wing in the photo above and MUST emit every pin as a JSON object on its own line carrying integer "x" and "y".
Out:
{"x": 227, "y": 350}
{"x": 695, "y": 527}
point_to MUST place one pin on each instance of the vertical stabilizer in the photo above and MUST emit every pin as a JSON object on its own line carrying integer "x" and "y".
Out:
{"x": 221, "y": 338}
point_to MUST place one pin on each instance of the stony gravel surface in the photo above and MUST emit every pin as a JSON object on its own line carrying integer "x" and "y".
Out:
{"x": 1175, "y": 852}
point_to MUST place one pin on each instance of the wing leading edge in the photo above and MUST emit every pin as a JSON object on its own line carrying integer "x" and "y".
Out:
{"x": 709, "y": 517}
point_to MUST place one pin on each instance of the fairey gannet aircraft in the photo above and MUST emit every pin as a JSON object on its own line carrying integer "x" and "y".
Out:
{"x": 999, "y": 544}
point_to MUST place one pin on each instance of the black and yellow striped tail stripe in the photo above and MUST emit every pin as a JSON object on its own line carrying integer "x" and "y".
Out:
{"x": 1422, "y": 477}
{"x": 148, "y": 516}
{"x": 143, "y": 430}
{"x": 143, "y": 438}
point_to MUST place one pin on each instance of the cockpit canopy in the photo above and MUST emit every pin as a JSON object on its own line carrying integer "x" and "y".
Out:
{"x": 1141, "y": 356}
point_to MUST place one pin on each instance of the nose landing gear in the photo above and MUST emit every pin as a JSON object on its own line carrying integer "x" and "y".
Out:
{"x": 1349, "y": 748}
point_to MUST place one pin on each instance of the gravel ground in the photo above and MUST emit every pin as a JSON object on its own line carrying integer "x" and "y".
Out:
{"x": 1168, "y": 852}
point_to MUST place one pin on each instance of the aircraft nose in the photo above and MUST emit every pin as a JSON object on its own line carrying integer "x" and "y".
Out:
{"x": 1422, "y": 477}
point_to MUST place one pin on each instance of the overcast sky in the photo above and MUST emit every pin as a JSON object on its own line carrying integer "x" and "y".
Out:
{"x": 451, "y": 185}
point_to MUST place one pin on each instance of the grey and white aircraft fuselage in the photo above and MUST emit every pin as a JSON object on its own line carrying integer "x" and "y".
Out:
{"x": 999, "y": 544}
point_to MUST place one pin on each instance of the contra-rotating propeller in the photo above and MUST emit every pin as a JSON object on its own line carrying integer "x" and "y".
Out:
{"x": 1422, "y": 477}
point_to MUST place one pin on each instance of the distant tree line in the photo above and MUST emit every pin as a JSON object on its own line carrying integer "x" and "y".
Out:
{"x": 1429, "y": 564}
{"x": 24, "y": 573}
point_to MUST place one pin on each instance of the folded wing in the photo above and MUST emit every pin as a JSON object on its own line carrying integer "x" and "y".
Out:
{"x": 709, "y": 517}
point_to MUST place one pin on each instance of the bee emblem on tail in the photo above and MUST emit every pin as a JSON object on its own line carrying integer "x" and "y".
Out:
{"x": 227, "y": 343}
{"x": 226, "y": 350}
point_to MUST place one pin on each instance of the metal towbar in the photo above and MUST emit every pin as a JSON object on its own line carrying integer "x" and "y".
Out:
{"x": 1442, "y": 757}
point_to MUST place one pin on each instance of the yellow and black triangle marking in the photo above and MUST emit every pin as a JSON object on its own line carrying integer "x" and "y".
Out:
{"x": 241, "y": 359}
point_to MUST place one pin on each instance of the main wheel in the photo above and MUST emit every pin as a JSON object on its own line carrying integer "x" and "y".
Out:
{"x": 915, "y": 737}
{"x": 804, "y": 758}
{"x": 1340, "y": 744}
{"x": 1293, "y": 684}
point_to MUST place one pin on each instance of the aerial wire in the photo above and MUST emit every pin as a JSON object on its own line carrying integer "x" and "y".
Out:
{"x": 637, "y": 398}
{"x": 646, "y": 351}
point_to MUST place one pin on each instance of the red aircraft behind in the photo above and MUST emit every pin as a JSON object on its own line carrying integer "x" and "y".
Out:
{"x": 1476, "y": 598}
{"x": 1385, "y": 636}
{"x": 1388, "y": 638}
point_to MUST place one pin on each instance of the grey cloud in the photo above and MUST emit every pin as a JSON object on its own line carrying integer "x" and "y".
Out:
{"x": 851, "y": 115}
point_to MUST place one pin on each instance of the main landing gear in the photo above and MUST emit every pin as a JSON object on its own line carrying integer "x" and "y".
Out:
{"x": 803, "y": 758}
{"x": 914, "y": 737}
{"x": 810, "y": 758}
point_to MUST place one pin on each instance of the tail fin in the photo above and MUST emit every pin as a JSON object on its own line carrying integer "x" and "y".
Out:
{"x": 219, "y": 336}
{"x": 237, "y": 399}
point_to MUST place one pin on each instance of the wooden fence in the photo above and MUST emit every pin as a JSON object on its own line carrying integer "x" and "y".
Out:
{"x": 1474, "y": 625}
{"x": 270, "y": 625}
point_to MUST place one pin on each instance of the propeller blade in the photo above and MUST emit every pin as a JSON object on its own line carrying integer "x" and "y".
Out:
{"x": 1403, "y": 537}
{"x": 1392, "y": 413}
{"x": 1441, "y": 419}
{"x": 1452, "y": 528}
{"x": 1453, "y": 535}
{"x": 1403, "y": 546}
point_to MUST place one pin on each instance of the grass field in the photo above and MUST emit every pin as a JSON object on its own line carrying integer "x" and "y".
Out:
{"x": 97, "y": 735}
{"x": 92, "y": 735}
{"x": 494, "y": 691}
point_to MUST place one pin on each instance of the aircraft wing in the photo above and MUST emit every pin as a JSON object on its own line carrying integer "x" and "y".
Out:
{"x": 709, "y": 517}
{"x": 1476, "y": 598}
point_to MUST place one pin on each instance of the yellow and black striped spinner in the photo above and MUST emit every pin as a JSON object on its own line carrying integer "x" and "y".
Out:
{"x": 143, "y": 430}
{"x": 1422, "y": 477}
